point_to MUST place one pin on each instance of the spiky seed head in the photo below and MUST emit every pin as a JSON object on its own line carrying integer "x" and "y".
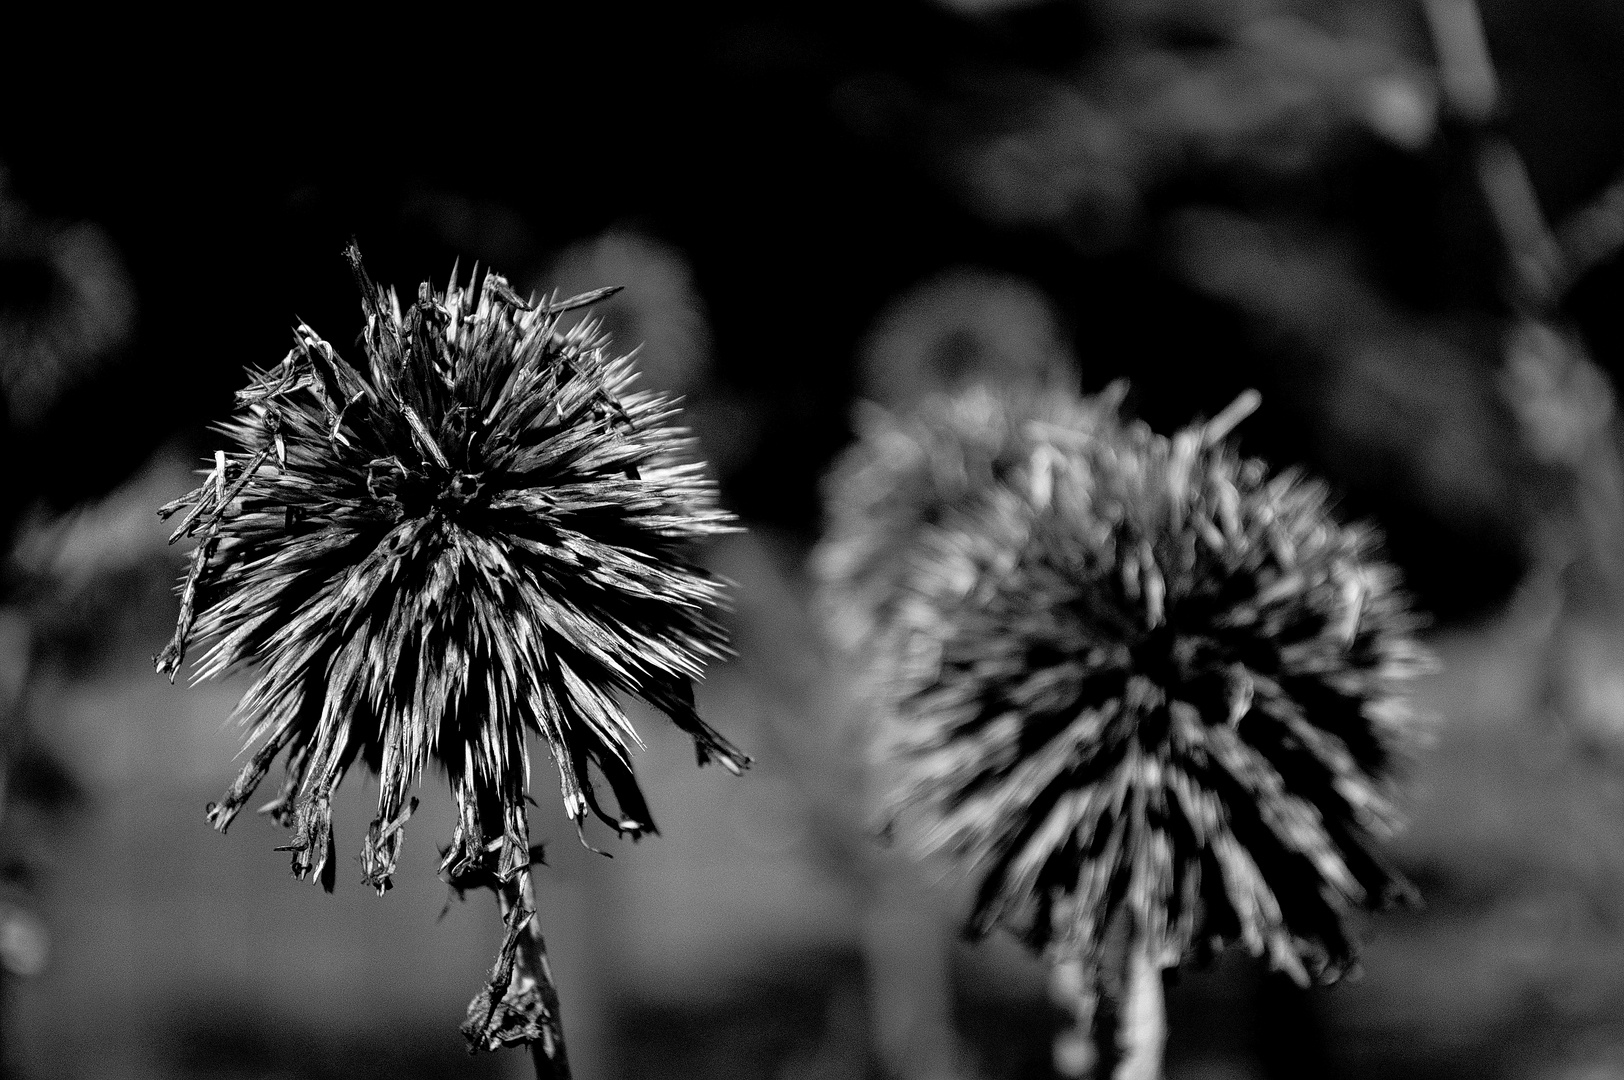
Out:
{"x": 1144, "y": 687}
{"x": 909, "y": 472}
{"x": 479, "y": 533}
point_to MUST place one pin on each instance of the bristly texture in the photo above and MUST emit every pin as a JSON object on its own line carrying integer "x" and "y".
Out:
{"x": 476, "y": 534}
{"x": 908, "y": 473}
{"x": 1146, "y": 689}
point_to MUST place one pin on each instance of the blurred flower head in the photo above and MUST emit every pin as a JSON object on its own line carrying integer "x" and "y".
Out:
{"x": 662, "y": 307}
{"x": 910, "y": 472}
{"x": 963, "y": 326}
{"x": 1144, "y": 688}
{"x": 479, "y": 533}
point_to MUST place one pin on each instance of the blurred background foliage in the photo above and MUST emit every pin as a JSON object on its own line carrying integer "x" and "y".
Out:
{"x": 811, "y": 206}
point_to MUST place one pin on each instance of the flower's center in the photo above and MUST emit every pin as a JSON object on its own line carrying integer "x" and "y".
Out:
{"x": 1173, "y": 664}
{"x": 419, "y": 492}
{"x": 1165, "y": 656}
{"x": 459, "y": 491}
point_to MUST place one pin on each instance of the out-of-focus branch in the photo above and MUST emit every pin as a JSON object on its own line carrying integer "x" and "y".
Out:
{"x": 1592, "y": 235}
{"x": 1464, "y": 68}
{"x": 1564, "y": 403}
{"x": 1533, "y": 258}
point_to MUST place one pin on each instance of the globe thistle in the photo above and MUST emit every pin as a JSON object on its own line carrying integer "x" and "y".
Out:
{"x": 476, "y": 535}
{"x": 908, "y": 473}
{"x": 1154, "y": 695}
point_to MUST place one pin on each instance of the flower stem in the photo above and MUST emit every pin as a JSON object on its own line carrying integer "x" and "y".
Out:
{"x": 552, "y": 1062}
{"x": 1119, "y": 1019}
{"x": 1141, "y": 1020}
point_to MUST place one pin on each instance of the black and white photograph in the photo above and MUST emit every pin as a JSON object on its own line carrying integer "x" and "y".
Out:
{"x": 889, "y": 540}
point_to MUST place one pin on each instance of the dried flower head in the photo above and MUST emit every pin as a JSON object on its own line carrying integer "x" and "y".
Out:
{"x": 1148, "y": 690}
{"x": 476, "y": 535}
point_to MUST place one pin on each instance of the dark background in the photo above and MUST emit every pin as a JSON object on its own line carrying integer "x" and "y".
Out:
{"x": 803, "y": 161}
{"x": 809, "y": 204}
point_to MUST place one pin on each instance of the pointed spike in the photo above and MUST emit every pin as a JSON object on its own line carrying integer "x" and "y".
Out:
{"x": 1243, "y": 406}
{"x": 586, "y": 299}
